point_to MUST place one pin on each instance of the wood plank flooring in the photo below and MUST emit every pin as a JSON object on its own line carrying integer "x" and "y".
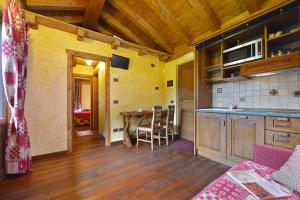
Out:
{"x": 94, "y": 171}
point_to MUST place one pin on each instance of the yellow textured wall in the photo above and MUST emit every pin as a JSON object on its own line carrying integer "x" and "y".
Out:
{"x": 136, "y": 87}
{"x": 170, "y": 73}
{"x": 83, "y": 69}
{"x": 86, "y": 95}
{"x": 46, "y": 100}
{"x": 101, "y": 98}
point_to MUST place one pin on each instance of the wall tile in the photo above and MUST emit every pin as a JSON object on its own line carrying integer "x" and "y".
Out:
{"x": 255, "y": 92}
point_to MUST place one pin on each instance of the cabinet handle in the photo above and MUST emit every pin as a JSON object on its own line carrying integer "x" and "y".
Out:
{"x": 282, "y": 122}
{"x": 243, "y": 117}
{"x": 224, "y": 123}
{"x": 282, "y": 138}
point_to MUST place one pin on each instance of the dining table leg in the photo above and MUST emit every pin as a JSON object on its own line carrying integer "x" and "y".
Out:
{"x": 126, "y": 138}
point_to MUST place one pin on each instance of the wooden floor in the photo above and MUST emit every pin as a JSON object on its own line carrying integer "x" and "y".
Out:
{"x": 94, "y": 171}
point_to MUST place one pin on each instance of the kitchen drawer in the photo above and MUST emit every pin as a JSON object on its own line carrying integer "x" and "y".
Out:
{"x": 281, "y": 139}
{"x": 290, "y": 125}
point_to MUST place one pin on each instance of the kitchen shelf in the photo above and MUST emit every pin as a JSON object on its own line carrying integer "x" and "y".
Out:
{"x": 286, "y": 38}
{"x": 214, "y": 67}
{"x": 216, "y": 79}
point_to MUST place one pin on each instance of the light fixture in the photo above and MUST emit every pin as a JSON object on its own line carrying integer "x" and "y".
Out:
{"x": 89, "y": 62}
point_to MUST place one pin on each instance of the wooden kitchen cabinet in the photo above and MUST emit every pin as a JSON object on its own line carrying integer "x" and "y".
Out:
{"x": 211, "y": 135}
{"x": 242, "y": 133}
{"x": 271, "y": 64}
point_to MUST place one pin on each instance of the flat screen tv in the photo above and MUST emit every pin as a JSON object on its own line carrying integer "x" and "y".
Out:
{"x": 119, "y": 61}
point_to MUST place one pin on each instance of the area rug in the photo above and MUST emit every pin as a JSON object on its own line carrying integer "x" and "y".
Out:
{"x": 84, "y": 133}
{"x": 184, "y": 145}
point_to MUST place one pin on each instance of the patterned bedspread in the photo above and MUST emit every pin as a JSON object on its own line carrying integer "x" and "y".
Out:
{"x": 82, "y": 117}
{"x": 224, "y": 188}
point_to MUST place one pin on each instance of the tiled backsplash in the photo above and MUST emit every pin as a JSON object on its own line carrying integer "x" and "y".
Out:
{"x": 255, "y": 92}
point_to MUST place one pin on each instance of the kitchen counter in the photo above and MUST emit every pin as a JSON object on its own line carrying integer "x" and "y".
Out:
{"x": 254, "y": 111}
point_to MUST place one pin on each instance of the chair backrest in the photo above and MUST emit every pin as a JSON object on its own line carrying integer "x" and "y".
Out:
{"x": 170, "y": 116}
{"x": 157, "y": 117}
{"x": 271, "y": 156}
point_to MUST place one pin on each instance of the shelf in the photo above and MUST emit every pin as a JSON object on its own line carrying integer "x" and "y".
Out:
{"x": 217, "y": 79}
{"x": 271, "y": 65}
{"x": 230, "y": 79}
{"x": 231, "y": 67}
{"x": 214, "y": 67}
{"x": 285, "y": 38}
{"x": 235, "y": 78}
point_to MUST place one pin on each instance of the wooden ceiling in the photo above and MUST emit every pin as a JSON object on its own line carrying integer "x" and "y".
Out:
{"x": 167, "y": 25}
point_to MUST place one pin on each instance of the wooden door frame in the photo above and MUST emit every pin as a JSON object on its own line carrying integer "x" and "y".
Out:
{"x": 86, "y": 78}
{"x": 177, "y": 94}
{"x": 70, "y": 59}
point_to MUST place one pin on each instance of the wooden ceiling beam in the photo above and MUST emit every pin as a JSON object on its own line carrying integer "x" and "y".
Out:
{"x": 69, "y": 19}
{"x": 103, "y": 30}
{"x": 56, "y": 4}
{"x": 92, "y": 13}
{"x": 163, "y": 12}
{"x": 252, "y": 5}
{"x": 201, "y": 8}
{"x": 59, "y": 25}
{"x": 142, "y": 24}
{"x": 121, "y": 28}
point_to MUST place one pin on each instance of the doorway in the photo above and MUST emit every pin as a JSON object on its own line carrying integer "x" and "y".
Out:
{"x": 88, "y": 111}
{"x": 185, "y": 92}
{"x": 84, "y": 109}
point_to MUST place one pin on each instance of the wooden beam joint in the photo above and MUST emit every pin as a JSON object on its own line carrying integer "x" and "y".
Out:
{"x": 164, "y": 57}
{"x": 80, "y": 34}
{"x": 142, "y": 52}
{"x": 31, "y": 19}
{"x": 115, "y": 44}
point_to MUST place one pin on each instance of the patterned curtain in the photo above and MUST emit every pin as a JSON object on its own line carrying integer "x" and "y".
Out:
{"x": 14, "y": 71}
{"x": 77, "y": 95}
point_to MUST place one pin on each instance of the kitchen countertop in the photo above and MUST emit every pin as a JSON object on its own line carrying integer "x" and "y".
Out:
{"x": 254, "y": 111}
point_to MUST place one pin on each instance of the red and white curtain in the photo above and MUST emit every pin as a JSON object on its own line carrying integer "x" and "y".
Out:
{"x": 14, "y": 71}
{"x": 77, "y": 95}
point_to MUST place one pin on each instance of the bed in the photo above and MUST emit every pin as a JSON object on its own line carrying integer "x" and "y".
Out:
{"x": 82, "y": 117}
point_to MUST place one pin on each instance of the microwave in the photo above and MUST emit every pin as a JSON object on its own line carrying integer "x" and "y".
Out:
{"x": 243, "y": 53}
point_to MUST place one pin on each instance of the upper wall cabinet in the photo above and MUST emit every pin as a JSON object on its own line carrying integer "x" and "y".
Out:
{"x": 269, "y": 43}
{"x": 271, "y": 65}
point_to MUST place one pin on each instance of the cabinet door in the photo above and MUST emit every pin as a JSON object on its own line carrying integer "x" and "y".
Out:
{"x": 211, "y": 133}
{"x": 242, "y": 133}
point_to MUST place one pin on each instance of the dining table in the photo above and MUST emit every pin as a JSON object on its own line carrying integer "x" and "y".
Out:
{"x": 143, "y": 116}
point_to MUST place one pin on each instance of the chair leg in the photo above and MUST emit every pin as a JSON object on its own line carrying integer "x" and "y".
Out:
{"x": 152, "y": 144}
{"x": 159, "y": 138}
{"x": 137, "y": 137}
{"x": 167, "y": 137}
{"x": 172, "y": 132}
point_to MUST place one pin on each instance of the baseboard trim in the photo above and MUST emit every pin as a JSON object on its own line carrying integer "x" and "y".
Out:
{"x": 117, "y": 142}
{"x": 48, "y": 155}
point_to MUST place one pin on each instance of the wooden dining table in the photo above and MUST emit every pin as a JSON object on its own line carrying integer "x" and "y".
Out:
{"x": 127, "y": 119}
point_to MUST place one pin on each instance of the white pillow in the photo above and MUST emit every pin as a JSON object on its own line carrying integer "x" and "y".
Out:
{"x": 289, "y": 173}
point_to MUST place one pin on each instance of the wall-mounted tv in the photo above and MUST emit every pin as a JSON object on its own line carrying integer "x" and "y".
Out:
{"x": 119, "y": 61}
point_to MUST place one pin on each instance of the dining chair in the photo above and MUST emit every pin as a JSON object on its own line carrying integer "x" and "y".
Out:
{"x": 168, "y": 127}
{"x": 154, "y": 128}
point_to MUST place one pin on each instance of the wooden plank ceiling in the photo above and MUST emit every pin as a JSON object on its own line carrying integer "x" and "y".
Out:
{"x": 171, "y": 26}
